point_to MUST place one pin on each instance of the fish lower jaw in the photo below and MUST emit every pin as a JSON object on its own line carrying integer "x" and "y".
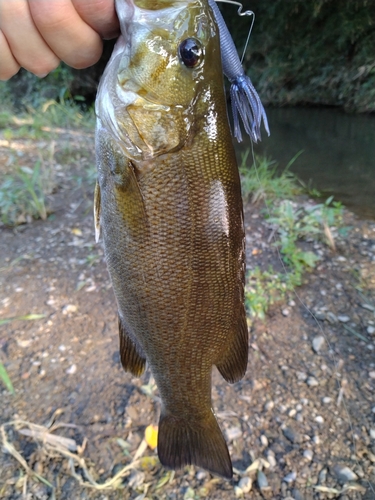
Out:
{"x": 147, "y": 12}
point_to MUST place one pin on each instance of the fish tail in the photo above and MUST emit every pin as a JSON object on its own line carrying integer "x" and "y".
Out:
{"x": 189, "y": 442}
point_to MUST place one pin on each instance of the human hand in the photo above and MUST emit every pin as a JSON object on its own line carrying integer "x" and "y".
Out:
{"x": 38, "y": 34}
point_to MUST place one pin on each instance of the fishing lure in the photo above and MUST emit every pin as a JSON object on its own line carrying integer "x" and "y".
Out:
{"x": 245, "y": 100}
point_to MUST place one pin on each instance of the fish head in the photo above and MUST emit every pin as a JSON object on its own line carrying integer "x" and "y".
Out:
{"x": 160, "y": 71}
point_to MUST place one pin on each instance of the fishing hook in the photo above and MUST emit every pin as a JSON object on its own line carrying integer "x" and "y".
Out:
{"x": 240, "y": 7}
{"x": 246, "y": 103}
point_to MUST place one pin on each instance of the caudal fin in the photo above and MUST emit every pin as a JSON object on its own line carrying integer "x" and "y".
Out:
{"x": 187, "y": 442}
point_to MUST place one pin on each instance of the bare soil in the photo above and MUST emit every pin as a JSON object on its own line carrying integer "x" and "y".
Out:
{"x": 299, "y": 416}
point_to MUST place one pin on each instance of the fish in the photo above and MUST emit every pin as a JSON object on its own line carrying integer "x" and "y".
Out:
{"x": 168, "y": 205}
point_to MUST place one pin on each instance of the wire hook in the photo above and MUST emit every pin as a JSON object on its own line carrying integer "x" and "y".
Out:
{"x": 240, "y": 7}
{"x": 240, "y": 13}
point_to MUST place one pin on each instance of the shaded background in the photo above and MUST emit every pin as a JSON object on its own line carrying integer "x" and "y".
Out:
{"x": 320, "y": 52}
{"x": 311, "y": 54}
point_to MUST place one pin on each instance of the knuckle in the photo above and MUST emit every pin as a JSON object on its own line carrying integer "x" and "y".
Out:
{"x": 8, "y": 64}
{"x": 84, "y": 60}
{"x": 42, "y": 68}
{"x": 50, "y": 19}
{"x": 7, "y": 73}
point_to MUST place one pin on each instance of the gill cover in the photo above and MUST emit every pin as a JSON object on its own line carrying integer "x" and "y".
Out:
{"x": 148, "y": 93}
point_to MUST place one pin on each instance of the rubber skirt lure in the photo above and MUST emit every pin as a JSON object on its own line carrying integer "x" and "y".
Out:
{"x": 245, "y": 100}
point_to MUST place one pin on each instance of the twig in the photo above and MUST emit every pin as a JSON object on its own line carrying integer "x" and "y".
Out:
{"x": 61, "y": 445}
{"x": 9, "y": 448}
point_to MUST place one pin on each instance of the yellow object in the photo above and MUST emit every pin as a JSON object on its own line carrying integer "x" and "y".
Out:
{"x": 151, "y": 436}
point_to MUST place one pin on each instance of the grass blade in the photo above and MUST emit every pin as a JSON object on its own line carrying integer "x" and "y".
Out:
{"x": 356, "y": 334}
{"x": 28, "y": 317}
{"x": 4, "y": 377}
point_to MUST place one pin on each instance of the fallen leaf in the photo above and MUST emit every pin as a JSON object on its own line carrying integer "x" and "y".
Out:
{"x": 151, "y": 436}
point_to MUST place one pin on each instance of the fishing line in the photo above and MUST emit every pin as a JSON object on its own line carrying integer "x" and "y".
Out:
{"x": 331, "y": 352}
{"x": 240, "y": 13}
{"x": 240, "y": 7}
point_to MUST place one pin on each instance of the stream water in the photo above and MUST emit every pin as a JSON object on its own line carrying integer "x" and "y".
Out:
{"x": 338, "y": 152}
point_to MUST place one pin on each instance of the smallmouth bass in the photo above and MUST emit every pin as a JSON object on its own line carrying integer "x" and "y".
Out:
{"x": 168, "y": 203}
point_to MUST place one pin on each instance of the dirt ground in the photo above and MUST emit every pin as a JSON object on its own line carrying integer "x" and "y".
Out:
{"x": 300, "y": 425}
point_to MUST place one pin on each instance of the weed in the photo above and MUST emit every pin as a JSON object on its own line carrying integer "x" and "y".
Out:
{"x": 308, "y": 188}
{"x": 23, "y": 195}
{"x": 5, "y": 119}
{"x": 264, "y": 288}
{"x": 28, "y": 317}
{"x": 40, "y": 122}
{"x": 292, "y": 223}
{"x": 26, "y": 89}
{"x": 4, "y": 377}
{"x": 66, "y": 115}
{"x": 263, "y": 182}
{"x": 24, "y": 190}
{"x": 92, "y": 259}
{"x": 32, "y": 182}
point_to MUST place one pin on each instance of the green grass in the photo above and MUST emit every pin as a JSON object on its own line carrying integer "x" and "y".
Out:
{"x": 26, "y": 89}
{"x": 262, "y": 182}
{"x": 23, "y": 195}
{"x": 24, "y": 190}
{"x": 28, "y": 317}
{"x": 264, "y": 288}
{"x": 38, "y": 123}
{"x": 4, "y": 378}
{"x": 293, "y": 223}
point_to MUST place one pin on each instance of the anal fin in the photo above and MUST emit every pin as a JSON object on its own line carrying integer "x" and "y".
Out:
{"x": 132, "y": 361}
{"x": 233, "y": 364}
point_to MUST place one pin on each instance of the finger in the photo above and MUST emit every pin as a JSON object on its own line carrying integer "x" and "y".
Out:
{"x": 70, "y": 38}
{"x": 100, "y": 15}
{"x": 24, "y": 41}
{"x": 8, "y": 65}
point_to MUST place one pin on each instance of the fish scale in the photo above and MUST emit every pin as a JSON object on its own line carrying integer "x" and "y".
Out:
{"x": 169, "y": 205}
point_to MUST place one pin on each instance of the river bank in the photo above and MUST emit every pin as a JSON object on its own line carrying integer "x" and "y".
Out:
{"x": 301, "y": 424}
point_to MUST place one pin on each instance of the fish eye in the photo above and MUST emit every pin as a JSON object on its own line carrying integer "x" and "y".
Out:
{"x": 190, "y": 52}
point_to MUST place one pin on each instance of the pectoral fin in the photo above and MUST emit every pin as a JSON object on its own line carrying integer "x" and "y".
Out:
{"x": 119, "y": 191}
{"x": 131, "y": 360}
{"x": 97, "y": 206}
{"x": 233, "y": 364}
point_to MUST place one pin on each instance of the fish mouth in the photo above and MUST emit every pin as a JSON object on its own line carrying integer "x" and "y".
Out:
{"x": 154, "y": 4}
{"x": 147, "y": 12}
